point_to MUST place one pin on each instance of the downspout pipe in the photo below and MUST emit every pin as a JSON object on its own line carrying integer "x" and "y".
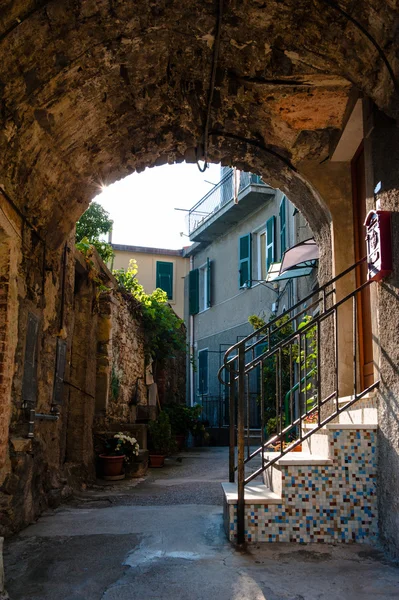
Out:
{"x": 191, "y": 347}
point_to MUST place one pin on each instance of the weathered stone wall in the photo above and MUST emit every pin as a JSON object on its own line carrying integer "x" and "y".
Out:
{"x": 121, "y": 367}
{"x": 40, "y": 286}
{"x": 39, "y": 462}
{"x": 382, "y": 153}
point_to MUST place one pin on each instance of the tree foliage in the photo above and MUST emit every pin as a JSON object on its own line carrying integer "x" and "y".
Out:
{"x": 92, "y": 224}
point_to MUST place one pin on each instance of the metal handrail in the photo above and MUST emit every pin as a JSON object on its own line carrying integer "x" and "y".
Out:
{"x": 267, "y": 330}
{"x": 288, "y": 358}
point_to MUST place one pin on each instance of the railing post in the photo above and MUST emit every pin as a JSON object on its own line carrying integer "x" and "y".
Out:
{"x": 232, "y": 419}
{"x": 241, "y": 447}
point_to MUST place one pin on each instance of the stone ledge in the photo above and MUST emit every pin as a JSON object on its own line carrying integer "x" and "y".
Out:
{"x": 302, "y": 459}
{"x": 370, "y": 396}
{"x": 255, "y": 493}
{"x": 351, "y": 426}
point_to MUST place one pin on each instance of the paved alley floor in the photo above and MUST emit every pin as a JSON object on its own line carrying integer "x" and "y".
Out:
{"x": 162, "y": 539}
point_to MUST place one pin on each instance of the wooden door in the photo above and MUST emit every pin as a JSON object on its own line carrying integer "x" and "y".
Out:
{"x": 364, "y": 306}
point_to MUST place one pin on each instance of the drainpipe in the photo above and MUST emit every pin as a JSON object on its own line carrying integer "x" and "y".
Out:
{"x": 191, "y": 347}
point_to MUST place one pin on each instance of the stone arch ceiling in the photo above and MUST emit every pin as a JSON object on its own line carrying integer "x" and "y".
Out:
{"x": 92, "y": 90}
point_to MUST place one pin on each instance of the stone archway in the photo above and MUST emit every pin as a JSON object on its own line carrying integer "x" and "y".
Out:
{"x": 92, "y": 91}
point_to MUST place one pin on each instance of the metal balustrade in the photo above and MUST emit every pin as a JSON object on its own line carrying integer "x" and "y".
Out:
{"x": 226, "y": 190}
{"x": 289, "y": 355}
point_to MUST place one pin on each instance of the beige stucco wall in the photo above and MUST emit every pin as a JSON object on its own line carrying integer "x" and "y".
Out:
{"x": 147, "y": 270}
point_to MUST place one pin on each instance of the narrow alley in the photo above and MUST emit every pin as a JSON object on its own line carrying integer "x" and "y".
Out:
{"x": 162, "y": 538}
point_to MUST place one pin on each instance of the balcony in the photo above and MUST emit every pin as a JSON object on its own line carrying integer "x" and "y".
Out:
{"x": 233, "y": 198}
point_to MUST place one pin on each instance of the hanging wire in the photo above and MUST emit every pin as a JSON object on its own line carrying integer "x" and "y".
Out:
{"x": 368, "y": 35}
{"x": 215, "y": 59}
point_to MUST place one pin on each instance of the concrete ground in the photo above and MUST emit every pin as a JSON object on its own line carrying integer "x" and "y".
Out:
{"x": 162, "y": 539}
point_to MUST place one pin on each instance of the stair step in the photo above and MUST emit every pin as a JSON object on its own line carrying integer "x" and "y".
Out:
{"x": 325, "y": 497}
{"x": 353, "y": 426}
{"x": 302, "y": 458}
{"x": 345, "y": 399}
{"x": 255, "y": 493}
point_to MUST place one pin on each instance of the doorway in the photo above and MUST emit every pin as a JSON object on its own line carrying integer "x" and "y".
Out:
{"x": 366, "y": 363}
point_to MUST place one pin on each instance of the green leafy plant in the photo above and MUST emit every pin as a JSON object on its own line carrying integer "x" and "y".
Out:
{"x": 115, "y": 384}
{"x": 161, "y": 434}
{"x": 290, "y": 355}
{"x": 92, "y": 224}
{"x": 164, "y": 331}
{"x": 308, "y": 360}
{"x": 183, "y": 419}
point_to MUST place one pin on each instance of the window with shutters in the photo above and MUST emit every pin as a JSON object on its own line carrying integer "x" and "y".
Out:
{"x": 260, "y": 245}
{"x": 283, "y": 228}
{"x": 203, "y": 372}
{"x": 205, "y": 285}
{"x": 245, "y": 261}
{"x": 270, "y": 242}
{"x": 164, "y": 277}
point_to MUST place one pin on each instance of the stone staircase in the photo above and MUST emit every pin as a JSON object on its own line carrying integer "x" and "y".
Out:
{"x": 326, "y": 493}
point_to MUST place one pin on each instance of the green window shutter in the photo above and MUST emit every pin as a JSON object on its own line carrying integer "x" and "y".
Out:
{"x": 270, "y": 242}
{"x": 193, "y": 291}
{"x": 165, "y": 277}
{"x": 208, "y": 282}
{"x": 203, "y": 372}
{"x": 245, "y": 261}
{"x": 282, "y": 214}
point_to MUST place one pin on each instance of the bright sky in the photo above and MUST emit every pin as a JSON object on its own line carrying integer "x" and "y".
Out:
{"x": 142, "y": 205}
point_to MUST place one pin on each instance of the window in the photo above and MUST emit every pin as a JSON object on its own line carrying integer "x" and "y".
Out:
{"x": 164, "y": 278}
{"x": 282, "y": 215}
{"x": 270, "y": 242}
{"x": 261, "y": 254}
{"x": 200, "y": 288}
{"x": 245, "y": 261}
{"x": 203, "y": 372}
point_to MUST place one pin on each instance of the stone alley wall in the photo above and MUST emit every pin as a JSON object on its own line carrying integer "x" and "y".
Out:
{"x": 72, "y": 361}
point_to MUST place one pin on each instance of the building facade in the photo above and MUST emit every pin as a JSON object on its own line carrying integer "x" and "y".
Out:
{"x": 230, "y": 264}
{"x": 157, "y": 268}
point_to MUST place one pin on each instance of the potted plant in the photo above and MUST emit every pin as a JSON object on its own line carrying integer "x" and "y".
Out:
{"x": 118, "y": 449}
{"x": 184, "y": 420}
{"x": 161, "y": 439}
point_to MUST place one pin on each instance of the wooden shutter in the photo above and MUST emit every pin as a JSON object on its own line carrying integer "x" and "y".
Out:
{"x": 270, "y": 241}
{"x": 203, "y": 372}
{"x": 193, "y": 291}
{"x": 208, "y": 282}
{"x": 165, "y": 277}
{"x": 245, "y": 261}
{"x": 282, "y": 214}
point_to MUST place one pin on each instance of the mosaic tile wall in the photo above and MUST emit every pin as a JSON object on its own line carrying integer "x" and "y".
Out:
{"x": 334, "y": 503}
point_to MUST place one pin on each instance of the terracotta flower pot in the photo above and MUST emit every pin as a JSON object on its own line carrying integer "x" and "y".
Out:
{"x": 112, "y": 465}
{"x": 157, "y": 460}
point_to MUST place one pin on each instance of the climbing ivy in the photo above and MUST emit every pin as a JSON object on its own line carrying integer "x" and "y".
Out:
{"x": 164, "y": 331}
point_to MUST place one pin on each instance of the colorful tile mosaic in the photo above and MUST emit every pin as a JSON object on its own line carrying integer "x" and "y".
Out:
{"x": 334, "y": 503}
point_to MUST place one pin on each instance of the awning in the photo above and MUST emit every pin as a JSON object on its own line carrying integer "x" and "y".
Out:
{"x": 298, "y": 261}
{"x": 303, "y": 255}
{"x": 274, "y": 273}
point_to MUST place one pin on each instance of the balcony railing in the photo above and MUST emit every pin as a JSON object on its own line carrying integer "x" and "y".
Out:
{"x": 225, "y": 191}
